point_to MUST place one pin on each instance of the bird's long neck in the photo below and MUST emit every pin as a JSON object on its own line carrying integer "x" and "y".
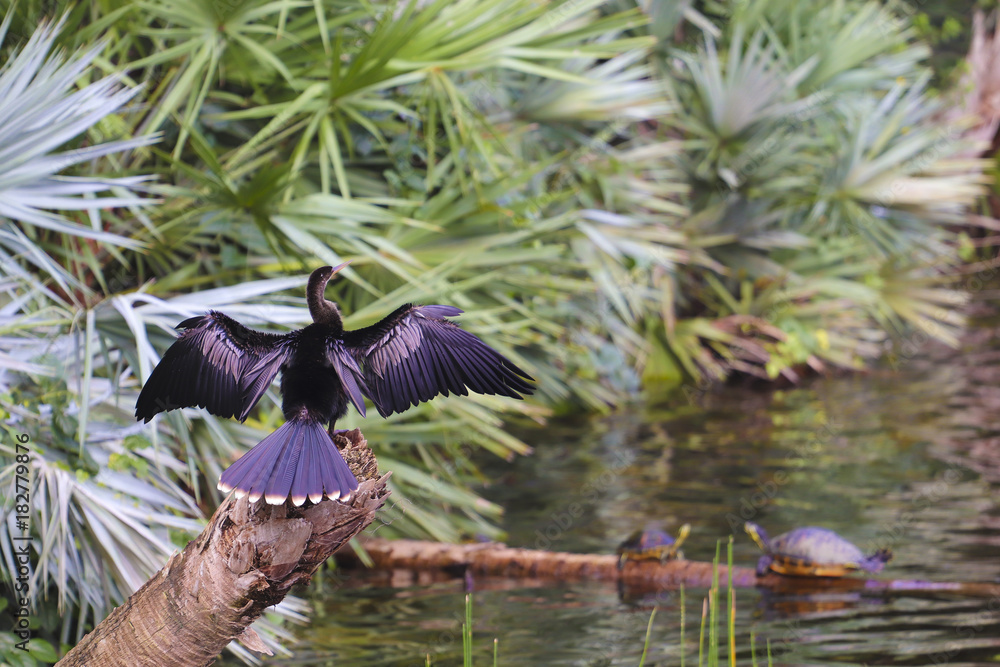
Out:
{"x": 322, "y": 311}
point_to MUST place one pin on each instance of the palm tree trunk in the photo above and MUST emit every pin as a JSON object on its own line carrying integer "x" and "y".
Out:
{"x": 246, "y": 560}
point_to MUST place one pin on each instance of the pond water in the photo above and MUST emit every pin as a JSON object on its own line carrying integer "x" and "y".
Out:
{"x": 906, "y": 457}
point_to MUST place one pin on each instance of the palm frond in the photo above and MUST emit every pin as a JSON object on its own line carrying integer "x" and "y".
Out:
{"x": 40, "y": 112}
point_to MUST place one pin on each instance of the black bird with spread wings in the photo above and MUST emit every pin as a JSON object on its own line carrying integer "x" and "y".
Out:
{"x": 411, "y": 356}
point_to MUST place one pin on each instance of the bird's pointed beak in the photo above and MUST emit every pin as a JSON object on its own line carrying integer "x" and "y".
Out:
{"x": 339, "y": 267}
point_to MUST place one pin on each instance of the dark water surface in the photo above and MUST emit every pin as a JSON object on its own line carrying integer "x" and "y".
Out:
{"x": 906, "y": 457}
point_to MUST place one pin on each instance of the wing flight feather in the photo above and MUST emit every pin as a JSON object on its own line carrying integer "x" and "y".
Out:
{"x": 351, "y": 377}
{"x": 216, "y": 363}
{"x": 415, "y": 354}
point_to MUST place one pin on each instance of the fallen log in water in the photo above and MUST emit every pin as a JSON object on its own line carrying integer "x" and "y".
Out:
{"x": 635, "y": 578}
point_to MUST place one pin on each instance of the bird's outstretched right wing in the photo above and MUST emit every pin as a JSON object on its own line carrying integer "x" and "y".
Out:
{"x": 216, "y": 363}
{"x": 415, "y": 354}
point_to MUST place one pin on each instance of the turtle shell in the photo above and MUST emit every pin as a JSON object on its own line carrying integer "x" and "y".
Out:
{"x": 819, "y": 552}
{"x": 652, "y": 544}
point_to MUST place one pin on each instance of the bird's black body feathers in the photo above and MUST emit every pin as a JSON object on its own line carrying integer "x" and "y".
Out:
{"x": 411, "y": 356}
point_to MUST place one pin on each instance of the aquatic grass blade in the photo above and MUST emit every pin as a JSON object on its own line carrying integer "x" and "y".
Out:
{"x": 701, "y": 634}
{"x": 731, "y": 607}
{"x": 467, "y": 632}
{"x": 713, "y": 608}
{"x": 649, "y": 637}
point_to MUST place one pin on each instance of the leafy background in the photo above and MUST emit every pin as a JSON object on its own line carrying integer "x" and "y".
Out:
{"x": 624, "y": 198}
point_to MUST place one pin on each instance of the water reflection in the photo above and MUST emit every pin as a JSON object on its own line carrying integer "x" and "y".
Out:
{"x": 905, "y": 458}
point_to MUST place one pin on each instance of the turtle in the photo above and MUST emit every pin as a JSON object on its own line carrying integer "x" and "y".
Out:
{"x": 652, "y": 544}
{"x": 812, "y": 552}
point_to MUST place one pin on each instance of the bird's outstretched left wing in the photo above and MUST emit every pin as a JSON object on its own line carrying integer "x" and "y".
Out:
{"x": 415, "y": 354}
{"x": 217, "y": 364}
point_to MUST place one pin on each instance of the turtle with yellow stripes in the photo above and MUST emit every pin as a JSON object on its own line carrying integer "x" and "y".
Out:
{"x": 812, "y": 552}
{"x": 652, "y": 544}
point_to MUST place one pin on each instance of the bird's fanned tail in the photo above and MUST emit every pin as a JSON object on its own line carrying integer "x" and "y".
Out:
{"x": 299, "y": 460}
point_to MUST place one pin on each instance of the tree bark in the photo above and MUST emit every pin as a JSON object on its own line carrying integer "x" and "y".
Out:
{"x": 246, "y": 560}
{"x": 499, "y": 560}
{"x": 636, "y": 578}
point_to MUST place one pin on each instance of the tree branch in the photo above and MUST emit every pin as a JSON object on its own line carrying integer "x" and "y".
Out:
{"x": 246, "y": 560}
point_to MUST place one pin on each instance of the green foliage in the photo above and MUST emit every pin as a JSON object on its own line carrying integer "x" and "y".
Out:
{"x": 822, "y": 179}
{"x": 945, "y": 24}
{"x": 613, "y": 206}
{"x": 39, "y": 651}
{"x": 293, "y": 134}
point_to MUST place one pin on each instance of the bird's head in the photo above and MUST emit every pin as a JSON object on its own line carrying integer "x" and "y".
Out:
{"x": 321, "y": 310}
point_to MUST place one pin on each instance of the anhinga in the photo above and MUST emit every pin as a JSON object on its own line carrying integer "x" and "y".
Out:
{"x": 412, "y": 355}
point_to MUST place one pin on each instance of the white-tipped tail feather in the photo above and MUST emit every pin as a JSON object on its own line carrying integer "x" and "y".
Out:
{"x": 299, "y": 460}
